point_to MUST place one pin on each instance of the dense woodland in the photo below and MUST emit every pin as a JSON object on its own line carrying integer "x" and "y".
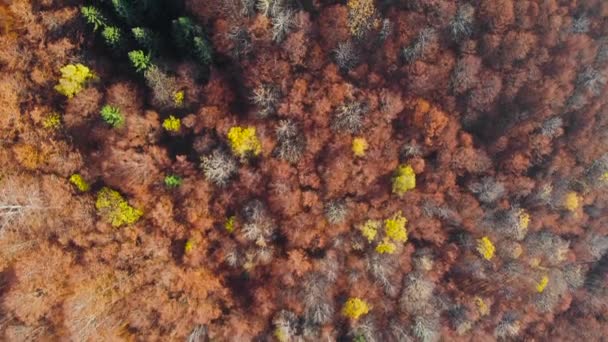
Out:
{"x": 303, "y": 170}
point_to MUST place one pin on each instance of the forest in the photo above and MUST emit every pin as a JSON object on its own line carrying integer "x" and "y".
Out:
{"x": 303, "y": 170}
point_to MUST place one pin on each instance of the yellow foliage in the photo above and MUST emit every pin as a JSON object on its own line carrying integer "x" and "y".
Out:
{"x": 115, "y": 208}
{"x": 189, "y": 246}
{"x": 52, "y": 121}
{"x": 404, "y": 180}
{"x": 370, "y": 229}
{"x": 362, "y": 16}
{"x": 355, "y": 308}
{"x": 178, "y": 98}
{"x": 386, "y": 246}
{"x": 542, "y": 284}
{"x": 243, "y": 141}
{"x": 523, "y": 219}
{"x": 395, "y": 228}
{"x": 229, "y": 224}
{"x": 482, "y": 306}
{"x": 486, "y": 248}
{"x": 359, "y": 147}
{"x": 79, "y": 182}
{"x": 604, "y": 177}
{"x": 422, "y": 106}
{"x": 572, "y": 201}
{"x": 281, "y": 335}
{"x": 73, "y": 77}
{"x": 172, "y": 124}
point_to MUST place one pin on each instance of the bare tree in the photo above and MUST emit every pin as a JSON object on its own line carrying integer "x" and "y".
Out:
{"x": 20, "y": 200}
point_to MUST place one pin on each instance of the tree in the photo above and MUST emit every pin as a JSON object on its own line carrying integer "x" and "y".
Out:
{"x": 20, "y": 201}
{"x": 73, "y": 79}
{"x": 112, "y": 116}
{"x": 140, "y": 60}
{"x": 93, "y": 17}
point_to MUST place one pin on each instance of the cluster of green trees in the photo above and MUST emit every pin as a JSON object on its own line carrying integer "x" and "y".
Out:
{"x": 137, "y": 29}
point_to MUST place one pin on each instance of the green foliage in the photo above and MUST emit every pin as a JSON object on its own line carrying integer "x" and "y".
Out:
{"x": 190, "y": 37}
{"x": 73, "y": 78}
{"x": 115, "y": 209}
{"x": 112, "y": 36}
{"x": 127, "y": 10}
{"x": 173, "y": 181}
{"x": 112, "y": 116}
{"x": 140, "y": 60}
{"x": 202, "y": 50}
{"x": 93, "y": 17}
{"x": 146, "y": 38}
{"x": 184, "y": 30}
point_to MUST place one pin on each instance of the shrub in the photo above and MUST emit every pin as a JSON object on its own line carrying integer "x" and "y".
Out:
{"x": 173, "y": 181}
{"x": 172, "y": 124}
{"x": 140, "y": 60}
{"x": 404, "y": 180}
{"x": 359, "y": 147}
{"x": 244, "y": 142}
{"x": 355, "y": 308}
{"x": 52, "y": 121}
{"x": 394, "y": 228}
{"x": 486, "y": 248}
{"x": 349, "y": 117}
{"x": 112, "y": 35}
{"x": 115, "y": 209}
{"x": 73, "y": 78}
{"x": 219, "y": 167}
{"x": 93, "y": 17}
{"x": 112, "y": 116}
{"x": 79, "y": 182}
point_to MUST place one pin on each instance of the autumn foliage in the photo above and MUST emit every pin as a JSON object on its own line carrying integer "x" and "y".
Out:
{"x": 360, "y": 170}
